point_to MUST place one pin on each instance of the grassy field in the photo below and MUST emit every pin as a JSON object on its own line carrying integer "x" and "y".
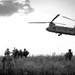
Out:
{"x": 39, "y": 65}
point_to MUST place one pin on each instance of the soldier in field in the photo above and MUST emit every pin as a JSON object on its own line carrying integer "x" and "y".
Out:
{"x": 6, "y": 58}
{"x": 20, "y": 53}
{"x": 69, "y": 55}
{"x": 7, "y": 52}
{"x": 15, "y": 53}
{"x": 3, "y": 62}
{"x": 25, "y": 53}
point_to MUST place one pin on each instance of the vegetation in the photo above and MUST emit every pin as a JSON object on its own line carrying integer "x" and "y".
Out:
{"x": 39, "y": 65}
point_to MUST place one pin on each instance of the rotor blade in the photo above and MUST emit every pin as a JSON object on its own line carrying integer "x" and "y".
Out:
{"x": 48, "y": 22}
{"x": 68, "y": 18}
{"x": 55, "y": 17}
{"x": 38, "y": 22}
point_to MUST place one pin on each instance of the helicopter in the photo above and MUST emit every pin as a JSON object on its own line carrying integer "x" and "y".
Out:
{"x": 59, "y": 29}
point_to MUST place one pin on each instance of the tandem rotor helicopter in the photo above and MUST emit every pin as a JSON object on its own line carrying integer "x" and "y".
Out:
{"x": 59, "y": 29}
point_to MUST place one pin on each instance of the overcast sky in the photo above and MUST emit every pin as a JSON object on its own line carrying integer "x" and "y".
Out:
{"x": 15, "y": 31}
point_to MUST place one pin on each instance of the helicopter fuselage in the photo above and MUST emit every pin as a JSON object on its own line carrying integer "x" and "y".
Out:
{"x": 61, "y": 30}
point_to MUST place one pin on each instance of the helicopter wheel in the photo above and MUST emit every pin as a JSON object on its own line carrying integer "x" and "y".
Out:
{"x": 59, "y": 34}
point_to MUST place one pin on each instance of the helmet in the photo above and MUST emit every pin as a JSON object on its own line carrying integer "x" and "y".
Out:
{"x": 69, "y": 50}
{"x": 7, "y": 48}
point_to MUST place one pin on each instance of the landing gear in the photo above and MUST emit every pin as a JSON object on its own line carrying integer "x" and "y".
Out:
{"x": 59, "y": 34}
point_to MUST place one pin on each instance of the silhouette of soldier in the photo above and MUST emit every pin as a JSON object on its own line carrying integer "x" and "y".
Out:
{"x": 69, "y": 55}
{"x": 7, "y": 52}
{"x": 25, "y": 53}
{"x": 3, "y": 62}
{"x": 7, "y": 58}
{"x": 15, "y": 53}
{"x": 20, "y": 53}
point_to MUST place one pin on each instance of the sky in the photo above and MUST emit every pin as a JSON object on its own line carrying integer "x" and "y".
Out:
{"x": 15, "y": 31}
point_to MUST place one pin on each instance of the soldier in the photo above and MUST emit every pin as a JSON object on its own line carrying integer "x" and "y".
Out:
{"x": 25, "y": 53}
{"x": 20, "y": 53}
{"x": 69, "y": 55}
{"x": 15, "y": 53}
{"x": 7, "y": 52}
{"x": 6, "y": 59}
{"x": 66, "y": 56}
{"x": 3, "y": 62}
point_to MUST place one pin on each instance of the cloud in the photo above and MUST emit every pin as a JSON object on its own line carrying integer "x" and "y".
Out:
{"x": 9, "y": 7}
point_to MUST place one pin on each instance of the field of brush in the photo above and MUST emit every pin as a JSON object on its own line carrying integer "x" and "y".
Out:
{"x": 39, "y": 65}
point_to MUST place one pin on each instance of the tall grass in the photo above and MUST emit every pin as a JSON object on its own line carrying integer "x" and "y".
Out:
{"x": 39, "y": 65}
